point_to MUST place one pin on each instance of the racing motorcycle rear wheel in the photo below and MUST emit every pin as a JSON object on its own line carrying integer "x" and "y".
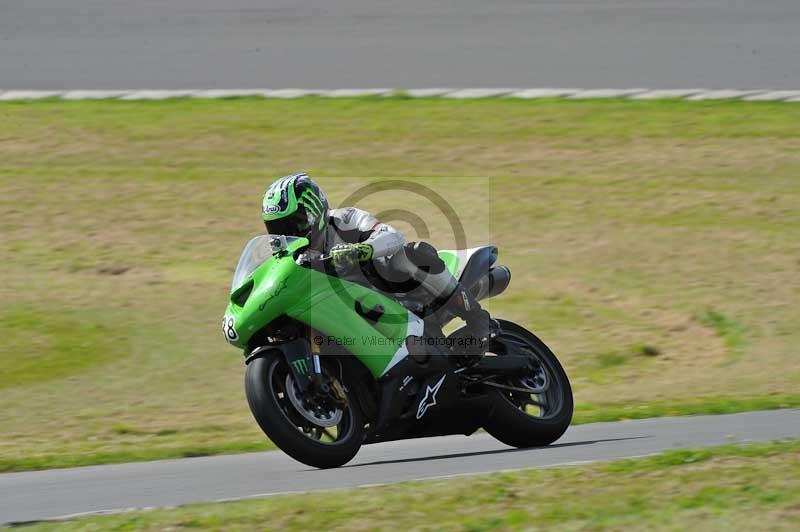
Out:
{"x": 532, "y": 410}
{"x": 317, "y": 431}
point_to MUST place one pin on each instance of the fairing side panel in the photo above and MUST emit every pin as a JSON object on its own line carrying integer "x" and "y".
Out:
{"x": 329, "y": 307}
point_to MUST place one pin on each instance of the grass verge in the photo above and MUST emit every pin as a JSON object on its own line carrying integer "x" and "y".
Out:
{"x": 653, "y": 246}
{"x": 674, "y": 490}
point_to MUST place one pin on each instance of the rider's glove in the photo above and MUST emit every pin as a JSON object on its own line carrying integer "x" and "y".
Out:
{"x": 344, "y": 255}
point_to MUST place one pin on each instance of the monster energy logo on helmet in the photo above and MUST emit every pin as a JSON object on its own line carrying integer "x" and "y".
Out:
{"x": 311, "y": 202}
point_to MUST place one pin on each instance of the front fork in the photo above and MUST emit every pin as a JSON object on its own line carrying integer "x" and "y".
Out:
{"x": 328, "y": 386}
{"x": 316, "y": 365}
{"x": 303, "y": 357}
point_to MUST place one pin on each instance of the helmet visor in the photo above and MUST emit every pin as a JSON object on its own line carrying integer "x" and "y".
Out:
{"x": 299, "y": 223}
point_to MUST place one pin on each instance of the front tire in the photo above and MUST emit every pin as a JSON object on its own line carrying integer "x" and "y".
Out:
{"x": 266, "y": 385}
{"x": 510, "y": 419}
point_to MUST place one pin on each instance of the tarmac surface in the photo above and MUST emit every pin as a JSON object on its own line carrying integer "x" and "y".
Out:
{"x": 63, "y": 492}
{"x": 322, "y": 44}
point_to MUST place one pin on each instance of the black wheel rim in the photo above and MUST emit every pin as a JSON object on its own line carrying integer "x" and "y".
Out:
{"x": 544, "y": 405}
{"x": 334, "y": 435}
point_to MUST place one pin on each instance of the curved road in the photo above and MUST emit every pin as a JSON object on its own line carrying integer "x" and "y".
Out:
{"x": 58, "y": 493}
{"x": 320, "y": 44}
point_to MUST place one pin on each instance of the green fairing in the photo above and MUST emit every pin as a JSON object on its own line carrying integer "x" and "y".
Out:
{"x": 326, "y": 303}
{"x": 450, "y": 261}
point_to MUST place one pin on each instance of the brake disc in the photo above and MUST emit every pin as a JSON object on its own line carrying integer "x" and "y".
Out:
{"x": 320, "y": 416}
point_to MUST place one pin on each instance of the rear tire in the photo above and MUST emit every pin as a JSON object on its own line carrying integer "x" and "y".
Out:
{"x": 276, "y": 418}
{"x": 507, "y": 421}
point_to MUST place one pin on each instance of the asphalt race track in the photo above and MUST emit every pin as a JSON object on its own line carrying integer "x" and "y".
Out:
{"x": 55, "y": 493}
{"x": 319, "y": 44}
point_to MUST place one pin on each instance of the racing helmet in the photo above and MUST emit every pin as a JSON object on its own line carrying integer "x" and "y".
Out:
{"x": 294, "y": 205}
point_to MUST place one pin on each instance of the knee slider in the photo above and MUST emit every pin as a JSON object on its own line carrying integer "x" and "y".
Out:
{"x": 424, "y": 256}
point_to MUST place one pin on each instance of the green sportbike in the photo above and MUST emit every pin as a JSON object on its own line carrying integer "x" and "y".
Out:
{"x": 332, "y": 364}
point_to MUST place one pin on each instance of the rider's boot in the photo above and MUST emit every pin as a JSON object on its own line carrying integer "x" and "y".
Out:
{"x": 421, "y": 261}
{"x": 480, "y": 325}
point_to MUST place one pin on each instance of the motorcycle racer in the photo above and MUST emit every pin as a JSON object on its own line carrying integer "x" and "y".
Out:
{"x": 295, "y": 205}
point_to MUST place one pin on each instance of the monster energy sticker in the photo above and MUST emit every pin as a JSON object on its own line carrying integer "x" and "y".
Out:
{"x": 300, "y": 365}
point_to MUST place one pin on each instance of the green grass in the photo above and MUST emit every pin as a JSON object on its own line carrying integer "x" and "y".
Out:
{"x": 730, "y": 331}
{"x": 653, "y": 246}
{"x": 65, "y": 344}
{"x": 755, "y": 486}
{"x": 148, "y": 449}
{"x": 596, "y": 412}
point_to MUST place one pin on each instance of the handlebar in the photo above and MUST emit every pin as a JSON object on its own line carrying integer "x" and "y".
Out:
{"x": 303, "y": 259}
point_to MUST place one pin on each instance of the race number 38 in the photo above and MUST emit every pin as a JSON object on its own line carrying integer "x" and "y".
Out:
{"x": 229, "y": 329}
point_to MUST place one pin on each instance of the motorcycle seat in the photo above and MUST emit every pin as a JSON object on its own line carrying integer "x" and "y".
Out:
{"x": 469, "y": 265}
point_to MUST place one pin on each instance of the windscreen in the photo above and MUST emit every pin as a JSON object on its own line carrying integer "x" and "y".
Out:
{"x": 258, "y": 250}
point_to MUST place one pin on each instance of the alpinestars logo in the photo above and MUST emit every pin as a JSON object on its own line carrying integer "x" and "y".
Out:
{"x": 430, "y": 398}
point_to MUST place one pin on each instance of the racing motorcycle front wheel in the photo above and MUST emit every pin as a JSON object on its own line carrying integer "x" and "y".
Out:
{"x": 536, "y": 408}
{"x": 319, "y": 430}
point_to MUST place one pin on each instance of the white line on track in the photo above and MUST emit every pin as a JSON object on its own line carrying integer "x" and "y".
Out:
{"x": 461, "y": 93}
